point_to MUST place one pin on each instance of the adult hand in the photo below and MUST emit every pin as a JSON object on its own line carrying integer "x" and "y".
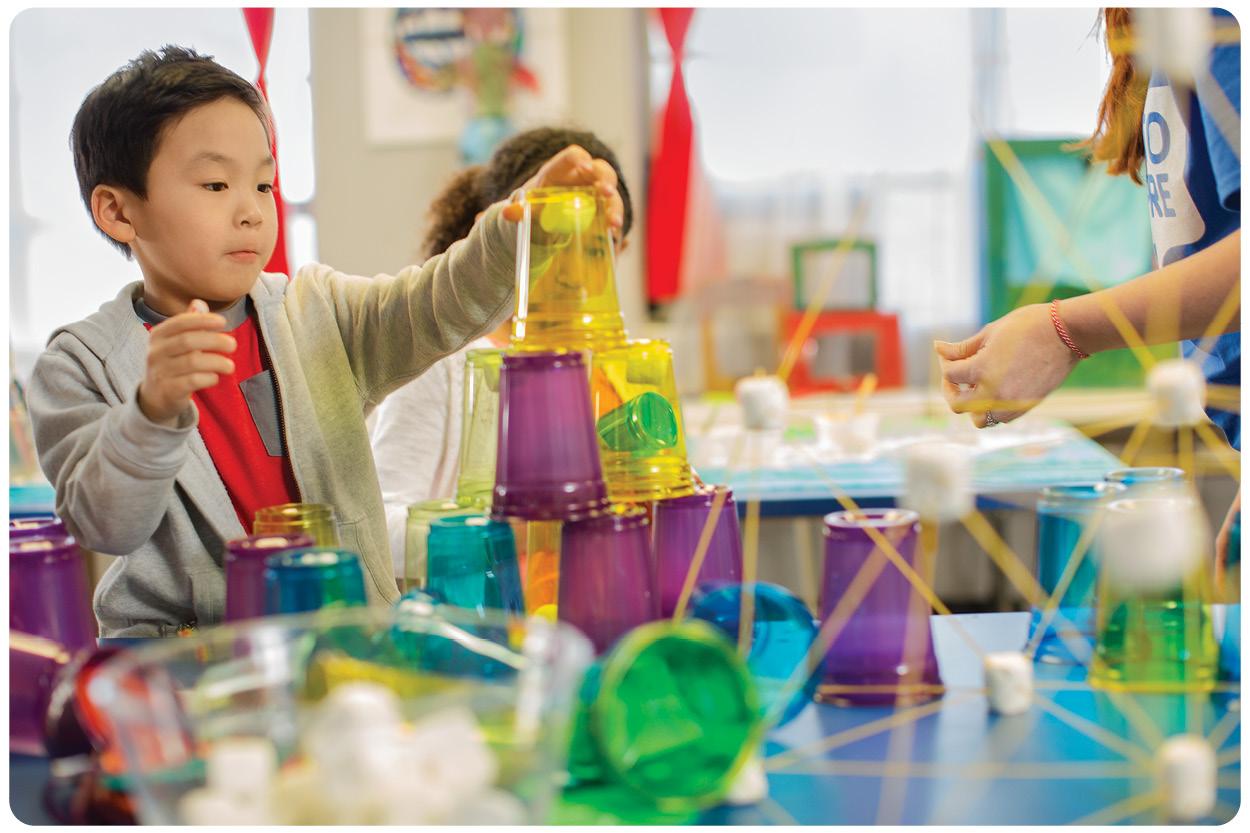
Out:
{"x": 1006, "y": 368}
{"x": 184, "y": 355}
{"x": 574, "y": 166}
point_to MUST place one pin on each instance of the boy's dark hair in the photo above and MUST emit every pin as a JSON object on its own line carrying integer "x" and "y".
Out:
{"x": 453, "y": 212}
{"x": 120, "y": 123}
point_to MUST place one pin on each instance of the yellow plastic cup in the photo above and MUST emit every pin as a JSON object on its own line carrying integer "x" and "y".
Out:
{"x": 417, "y": 535}
{"x": 315, "y": 519}
{"x": 566, "y": 274}
{"x": 479, "y": 433}
{"x": 642, "y": 441}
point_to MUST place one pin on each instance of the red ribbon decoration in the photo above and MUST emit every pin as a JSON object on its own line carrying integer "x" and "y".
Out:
{"x": 260, "y": 29}
{"x": 669, "y": 189}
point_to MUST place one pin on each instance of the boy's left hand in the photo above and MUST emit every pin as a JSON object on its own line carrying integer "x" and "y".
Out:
{"x": 571, "y": 167}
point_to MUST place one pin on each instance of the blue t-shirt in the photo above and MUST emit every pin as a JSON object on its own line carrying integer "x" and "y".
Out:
{"x": 1193, "y": 182}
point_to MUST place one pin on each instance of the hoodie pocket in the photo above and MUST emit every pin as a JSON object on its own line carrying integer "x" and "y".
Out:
{"x": 208, "y": 596}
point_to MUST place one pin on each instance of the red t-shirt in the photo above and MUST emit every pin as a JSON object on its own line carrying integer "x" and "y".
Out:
{"x": 240, "y": 423}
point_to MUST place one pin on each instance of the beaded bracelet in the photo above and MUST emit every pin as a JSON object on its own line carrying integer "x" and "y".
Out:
{"x": 1063, "y": 331}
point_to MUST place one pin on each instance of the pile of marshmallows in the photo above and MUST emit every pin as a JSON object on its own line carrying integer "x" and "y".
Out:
{"x": 362, "y": 764}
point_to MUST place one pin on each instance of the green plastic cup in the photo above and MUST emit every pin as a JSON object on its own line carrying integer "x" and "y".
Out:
{"x": 480, "y": 428}
{"x": 644, "y": 425}
{"x": 671, "y": 713}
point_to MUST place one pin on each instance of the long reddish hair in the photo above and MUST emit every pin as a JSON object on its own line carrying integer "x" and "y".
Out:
{"x": 1118, "y": 139}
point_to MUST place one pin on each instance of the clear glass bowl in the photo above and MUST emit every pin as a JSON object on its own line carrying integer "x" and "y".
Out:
{"x": 170, "y": 704}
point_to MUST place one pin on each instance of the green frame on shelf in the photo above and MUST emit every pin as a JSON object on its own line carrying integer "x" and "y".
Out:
{"x": 1108, "y": 209}
{"x": 799, "y": 250}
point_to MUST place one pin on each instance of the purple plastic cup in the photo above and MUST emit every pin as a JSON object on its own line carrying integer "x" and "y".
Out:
{"x": 605, "y": 575}
{"x": 547, "y": 466}
{"x": 48, "y": 593}
{"x": 245, "y": 570}
{"x": 679, "y": 522}
{"x": 35, "y": 666}
{"x": 36, "y": 526}
{"x": 47, "y": 713}
{"x": 884, "y": 653}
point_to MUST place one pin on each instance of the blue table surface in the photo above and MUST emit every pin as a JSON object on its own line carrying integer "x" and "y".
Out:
{"x": 1051, "y": 773}
{"x": 1067, "y": 457}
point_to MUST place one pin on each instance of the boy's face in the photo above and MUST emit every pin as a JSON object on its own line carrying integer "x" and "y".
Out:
{"x": 209, "y": 223}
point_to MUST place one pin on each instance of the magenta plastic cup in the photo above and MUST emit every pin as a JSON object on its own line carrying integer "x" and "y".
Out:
{"x": 38, "y": 526}
{"x": 245, "y": 570}
{"x": 679, "y": 522}
{"x": 547, "y": 466}
{"x": 48, "y": 593}
{"x": 605, "y": 575}
{"x": 884, "y": 652}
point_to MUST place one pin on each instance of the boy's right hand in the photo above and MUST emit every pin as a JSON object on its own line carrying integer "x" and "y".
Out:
{"x": 184, "y": 355}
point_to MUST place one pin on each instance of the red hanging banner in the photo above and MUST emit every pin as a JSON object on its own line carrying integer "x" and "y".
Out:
{"x": 668, "y": 193}
{"x": 260, "y": 29}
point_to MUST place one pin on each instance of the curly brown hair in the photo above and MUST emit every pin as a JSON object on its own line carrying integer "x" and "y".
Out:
{"x": 1118, "y": 138}
{"x": 471, "y": 190}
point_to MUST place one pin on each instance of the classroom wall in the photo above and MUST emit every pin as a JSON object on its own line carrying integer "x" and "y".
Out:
{"x": 371, "y": 200}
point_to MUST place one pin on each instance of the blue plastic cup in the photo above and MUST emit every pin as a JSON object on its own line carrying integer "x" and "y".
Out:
{"x": 472, "y": 563}
{"x": 300, "y": 581}
{"x": 1063, "y": 515}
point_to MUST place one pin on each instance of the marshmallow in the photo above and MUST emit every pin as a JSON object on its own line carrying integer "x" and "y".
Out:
{"x": 494, "y": 808}
{"x": 855, "y": 434}
{"x": 1150, "y": 544}
{"x": 209, "y": 807}
{"x": 1185, "y": 768}
{"x": 1178, "y": 42}
{"x": 450, "y": 748}
{"x": 1009, "y": 682}
{"x": 938, "y": 479}
{"x": 1178, "y": 389}
{"x": 298, "y": 795}
{"x": 241, "y": 768}
{"x": 764, "y": 401}
{"x": 751, "y": 785}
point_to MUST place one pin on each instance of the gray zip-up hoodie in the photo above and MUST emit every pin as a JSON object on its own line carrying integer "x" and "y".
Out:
{"x": 338, "y": 344}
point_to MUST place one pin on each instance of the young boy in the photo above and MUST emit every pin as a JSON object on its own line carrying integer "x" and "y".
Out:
{"x": 211, "y": 389}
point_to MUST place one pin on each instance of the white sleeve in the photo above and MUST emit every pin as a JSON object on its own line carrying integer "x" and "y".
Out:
{"x": 411, "y": 446}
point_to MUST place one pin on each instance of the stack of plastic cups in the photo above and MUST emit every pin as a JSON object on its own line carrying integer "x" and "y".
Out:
{"x": 1154, "y": 623}
{"x": 48, "y": 593}
{"x": 315, "y": 519}
{"x": 565, "y": 273}
{"x": 417, "y": 533}
{"x": 782, "y": 633}
{"x": 479, "y": 433}
{"x": 884, "y": 652}
{"x": 606, "y": 586}
{"x": 679, "y": 523}
{"x": 638, "y": 420}
{"x": 548, "y": 465}
{"x": 671, "y": 713}
{"x": 245, "y": 570}
{"x": 473, "y": 564}
{"x": 299, "y": 581}
{"x": 1065, "y": 514}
